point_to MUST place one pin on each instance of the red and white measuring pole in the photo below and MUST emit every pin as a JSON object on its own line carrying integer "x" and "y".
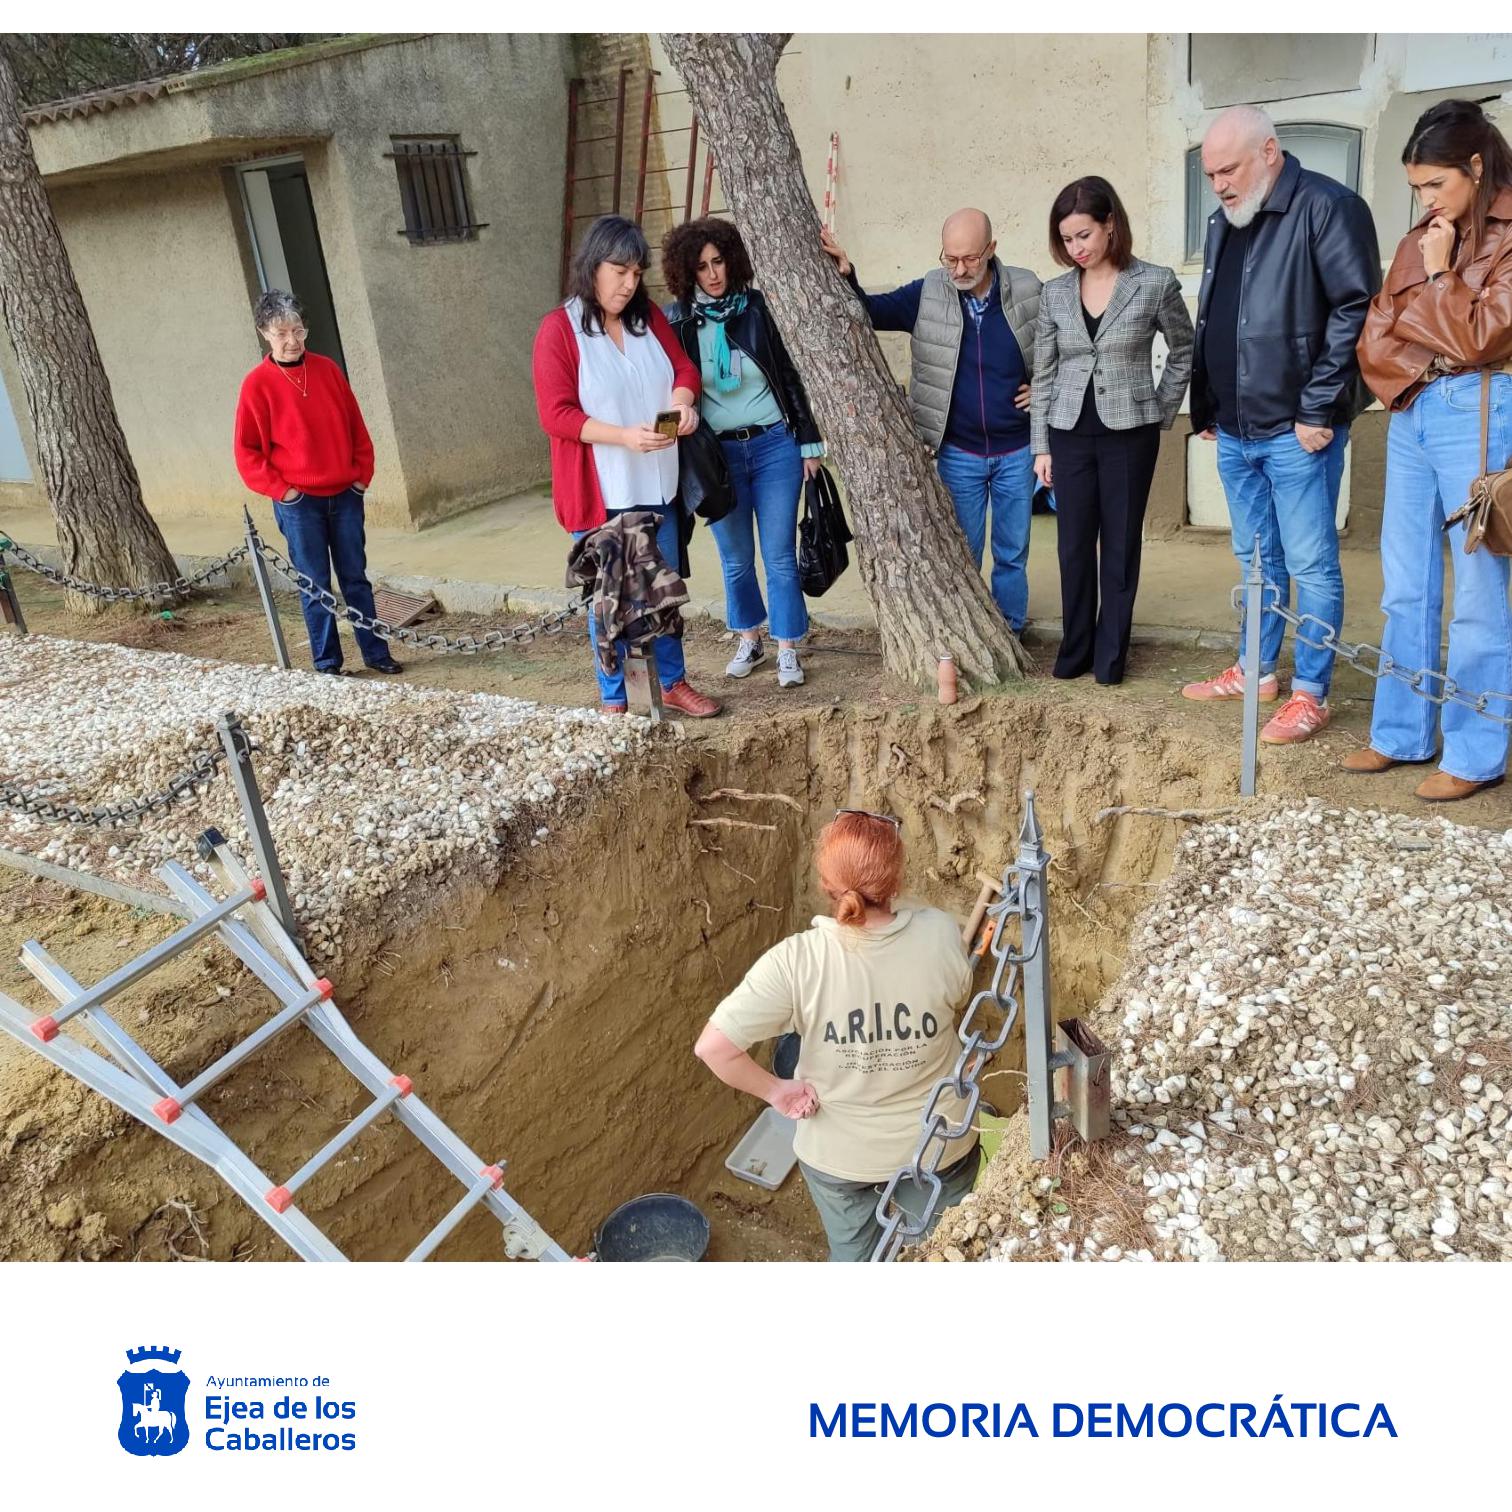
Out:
{"x": 829, "y": 181}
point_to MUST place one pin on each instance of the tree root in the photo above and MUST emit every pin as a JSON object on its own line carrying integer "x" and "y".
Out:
{"x": 1195, "y": 816}
{"x": 729, "y": 824}
{"x": 741, "y": 796}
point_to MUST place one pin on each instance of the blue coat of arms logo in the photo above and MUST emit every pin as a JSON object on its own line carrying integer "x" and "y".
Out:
{"x": 153, "y": 1389}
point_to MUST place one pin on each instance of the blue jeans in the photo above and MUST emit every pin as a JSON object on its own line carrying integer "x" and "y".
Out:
{"x": 324, "y": 533}
{"x": 767, "y": 472}
{"x": 1433, "y": 450}
{"x": 1007, "y": 482}
{"x": 1289, "y": 498}
{"x": 667, "y": 649}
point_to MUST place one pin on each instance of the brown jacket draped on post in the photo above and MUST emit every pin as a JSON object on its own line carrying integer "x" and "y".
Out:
{"x": 1464, "y": 316}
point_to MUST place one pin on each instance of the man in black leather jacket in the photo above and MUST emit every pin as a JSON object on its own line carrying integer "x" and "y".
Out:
{"x": 1290, "y": 267}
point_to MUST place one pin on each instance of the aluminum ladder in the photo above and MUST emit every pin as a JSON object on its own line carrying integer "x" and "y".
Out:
{"x": 244, "y": 922}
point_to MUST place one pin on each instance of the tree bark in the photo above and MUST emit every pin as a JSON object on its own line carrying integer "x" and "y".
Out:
{"x": 104, "y": 530}
{"x": 928, "y": 594}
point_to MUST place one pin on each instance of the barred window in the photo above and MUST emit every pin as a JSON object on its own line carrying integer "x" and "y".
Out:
{"x": 433, "y": 189}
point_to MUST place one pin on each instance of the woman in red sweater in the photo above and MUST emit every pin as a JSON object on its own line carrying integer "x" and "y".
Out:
{"x": 300, "y": 442}
{"x": 606, "y": 364}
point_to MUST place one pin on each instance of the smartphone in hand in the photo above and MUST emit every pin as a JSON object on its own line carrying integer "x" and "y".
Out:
{"x": 667, "y": 423}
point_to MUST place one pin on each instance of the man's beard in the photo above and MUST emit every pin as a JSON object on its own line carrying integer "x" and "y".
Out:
{"x": 966, "y": 284}
{"x": 1248, "y": 207}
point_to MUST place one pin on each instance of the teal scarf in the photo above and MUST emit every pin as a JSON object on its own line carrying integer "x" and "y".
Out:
{"x": 715, "y": 312}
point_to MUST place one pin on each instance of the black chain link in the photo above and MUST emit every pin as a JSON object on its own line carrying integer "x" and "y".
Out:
{"x": 201, "y": 769}
{"x": 1359, "y": 654}
{"x": 150, "y": 593}
{"x": 465, "y": 645}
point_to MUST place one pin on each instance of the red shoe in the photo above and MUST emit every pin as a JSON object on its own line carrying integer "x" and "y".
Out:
{"x": 614, "y": 709}
{"x": 1299, "y": 719}
{"x": 1230, "y": 684}
{"x": 688, "y": 700}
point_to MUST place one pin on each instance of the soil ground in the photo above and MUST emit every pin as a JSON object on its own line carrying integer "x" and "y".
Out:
{"x": 641, "y": 1115}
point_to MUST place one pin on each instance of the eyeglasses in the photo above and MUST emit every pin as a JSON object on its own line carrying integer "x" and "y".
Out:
{"x": 972, "y": 261}
{"x": 291, "y": 333}
{"x": 891, "y": 819}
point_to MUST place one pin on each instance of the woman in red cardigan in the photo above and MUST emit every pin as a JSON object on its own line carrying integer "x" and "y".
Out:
{"x": 606, "y": 364}
{"x": 300, "y": 442}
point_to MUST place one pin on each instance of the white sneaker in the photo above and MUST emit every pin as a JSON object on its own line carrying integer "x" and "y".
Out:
{"x": 789, "y": 673}
{"x": 749, "y": 654}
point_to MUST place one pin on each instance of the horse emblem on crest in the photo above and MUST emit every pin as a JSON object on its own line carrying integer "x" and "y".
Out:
{"x": 153, "y": 1393}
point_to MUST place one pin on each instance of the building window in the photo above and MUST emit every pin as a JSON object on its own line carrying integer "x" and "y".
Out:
{"x": 433, "y": 189}
{"x": 1334, "y": 150}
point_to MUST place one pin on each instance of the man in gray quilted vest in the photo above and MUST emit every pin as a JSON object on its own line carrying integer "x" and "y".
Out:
{"x": 971, "y": 321}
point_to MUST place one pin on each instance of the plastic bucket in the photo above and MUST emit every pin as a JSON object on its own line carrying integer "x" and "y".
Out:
{"x": 658, "y": 1226}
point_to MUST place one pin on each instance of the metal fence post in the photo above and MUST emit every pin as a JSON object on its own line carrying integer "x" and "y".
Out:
{"x": 265, "y": 591}
{"x": 239, "y": 763}
{"x": 10, "y": 605}
{"x": 1254, "y": 588}
{"x": 1039, "y": 1023}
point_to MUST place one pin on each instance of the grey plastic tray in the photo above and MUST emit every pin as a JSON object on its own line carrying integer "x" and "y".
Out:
{"x": 765, "y": 1155}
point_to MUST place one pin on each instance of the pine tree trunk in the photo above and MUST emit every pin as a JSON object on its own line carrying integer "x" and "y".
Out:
{"x": 928, "y": 594}
{"x": 104, "y": 530}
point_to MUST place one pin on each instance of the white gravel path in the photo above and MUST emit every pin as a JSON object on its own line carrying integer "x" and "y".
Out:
{"x": 1313, "y": 1049}
{"x": 369, "y": 785}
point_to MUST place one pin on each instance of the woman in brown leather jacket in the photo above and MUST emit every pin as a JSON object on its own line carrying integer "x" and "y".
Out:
{"x": 1441, "y": 327}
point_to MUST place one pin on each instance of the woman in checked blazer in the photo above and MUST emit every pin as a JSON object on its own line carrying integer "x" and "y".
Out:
{"x": 1096, "y": 415}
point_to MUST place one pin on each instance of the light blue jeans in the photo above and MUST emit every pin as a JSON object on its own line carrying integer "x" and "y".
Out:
{"x": 767, "y": 472}
{"x": 667, "y": 649}
{"x": 1433, "y": 451}
{"x": 1290, "y": 499}
{"x": 1007, "y": 483}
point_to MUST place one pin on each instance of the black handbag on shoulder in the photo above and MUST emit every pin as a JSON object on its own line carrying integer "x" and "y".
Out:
{"x": 822, "y": 535}
{"x": 703, "y": 476}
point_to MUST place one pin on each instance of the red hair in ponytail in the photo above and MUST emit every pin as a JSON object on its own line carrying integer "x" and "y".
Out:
{"x": 860, "y": 860}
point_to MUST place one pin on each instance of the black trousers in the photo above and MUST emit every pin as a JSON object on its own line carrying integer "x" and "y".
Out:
{"x": 1102, "y": 485}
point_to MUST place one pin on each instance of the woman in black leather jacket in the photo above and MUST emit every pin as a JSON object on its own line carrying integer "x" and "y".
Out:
{"x": 753, "y": 400}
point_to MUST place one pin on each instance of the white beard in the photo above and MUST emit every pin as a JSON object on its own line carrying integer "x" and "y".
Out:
{"x": 1247, "y": 208}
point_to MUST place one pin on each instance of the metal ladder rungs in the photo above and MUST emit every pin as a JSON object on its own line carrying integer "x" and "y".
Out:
{"x": 179, "y": 941}
{"x": 486, "y": 1181}
{"x": 171, "y": 1107}
{"x": 280, "y": 1197}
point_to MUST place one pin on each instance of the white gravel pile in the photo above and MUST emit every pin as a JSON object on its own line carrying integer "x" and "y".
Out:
{"x": 369, "y": 786}
{"x": 1312, "y": 1048}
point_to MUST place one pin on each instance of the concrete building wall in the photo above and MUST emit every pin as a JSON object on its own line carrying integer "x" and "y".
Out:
{"x": 436, "y": 337}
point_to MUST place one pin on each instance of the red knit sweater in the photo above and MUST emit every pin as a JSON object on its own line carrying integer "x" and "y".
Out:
{"x": 575, "y": 488}
{"x": 284, "y": 440}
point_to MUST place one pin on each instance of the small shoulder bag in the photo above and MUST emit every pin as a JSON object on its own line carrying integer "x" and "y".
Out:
{"x": 1488, "y": 511}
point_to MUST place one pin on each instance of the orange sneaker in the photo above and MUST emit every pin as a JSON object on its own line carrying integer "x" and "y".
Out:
{"x": 1230, "y": 684}
{"x": 1298, "y": 719}
{"x": 686, "y": 699}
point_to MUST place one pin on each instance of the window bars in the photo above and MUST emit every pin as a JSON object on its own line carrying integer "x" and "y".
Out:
{"x": 433, "y": 189}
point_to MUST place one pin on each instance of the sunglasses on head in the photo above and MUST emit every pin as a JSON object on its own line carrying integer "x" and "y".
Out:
{"x": 891, "y": 819}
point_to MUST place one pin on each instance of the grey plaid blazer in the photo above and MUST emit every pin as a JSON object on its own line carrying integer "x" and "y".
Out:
{"x": 1145, "y": 299}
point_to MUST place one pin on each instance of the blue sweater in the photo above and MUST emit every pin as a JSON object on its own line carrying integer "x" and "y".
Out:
{"x": 989, "y": 371}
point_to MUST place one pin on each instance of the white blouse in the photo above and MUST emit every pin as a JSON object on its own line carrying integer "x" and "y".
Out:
{"x": 626, "y": 388}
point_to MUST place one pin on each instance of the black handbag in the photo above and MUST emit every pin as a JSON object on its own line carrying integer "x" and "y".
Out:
{"x": 822, "y": 535}
{"x": 703, "y": 476}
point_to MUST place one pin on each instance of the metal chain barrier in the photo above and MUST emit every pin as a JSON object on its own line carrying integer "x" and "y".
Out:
{"x": 201, "y": 769}
{"x": 465, "y": 645}
{"x": 963, "y": 1080}
{"x": 1375, "y": 663}
{"x": 150, "y": 593}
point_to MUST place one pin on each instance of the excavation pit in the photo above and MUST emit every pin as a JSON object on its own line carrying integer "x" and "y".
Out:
{"x": 546, "y": 1006}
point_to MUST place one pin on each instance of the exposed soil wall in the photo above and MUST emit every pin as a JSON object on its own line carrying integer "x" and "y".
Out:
{"x": 549, "y": 1015}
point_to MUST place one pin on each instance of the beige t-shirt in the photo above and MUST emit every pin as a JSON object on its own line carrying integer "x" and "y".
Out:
{"x": 876, "y": 1009}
